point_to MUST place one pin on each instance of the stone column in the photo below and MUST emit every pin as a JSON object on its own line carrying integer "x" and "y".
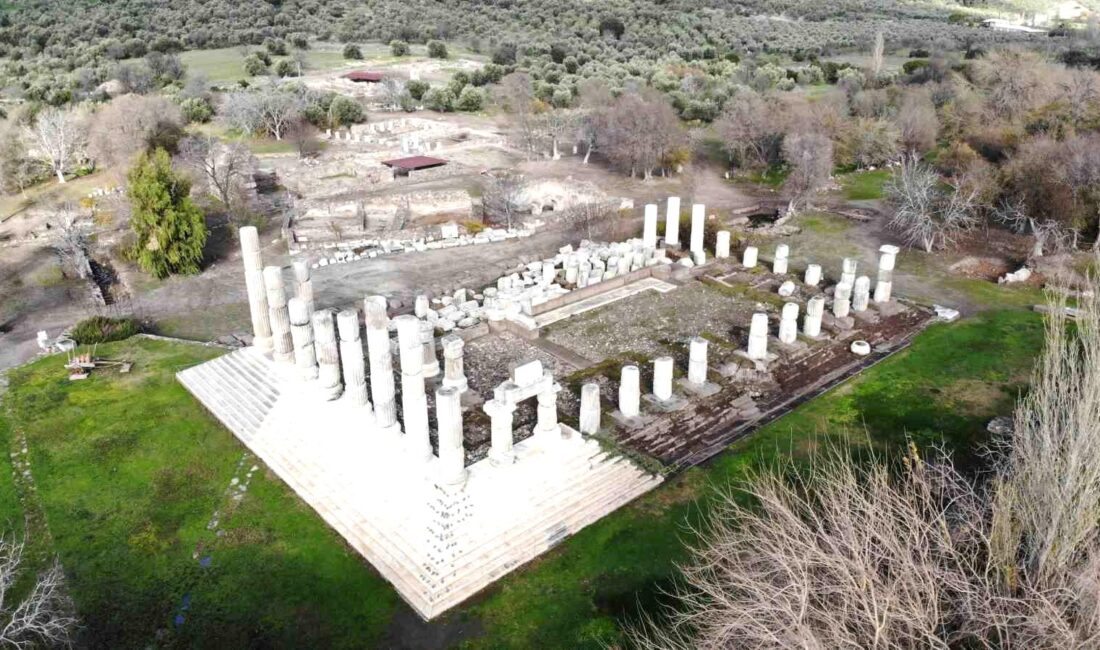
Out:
{"x": 547, "y": 428}
{"x": 788, "y": 323}
{"x": 722, "y": 245}
{"x": 452, "y": 452}
{"x": 328, "y": 352}
{"x": 848, "y": 271}
{"x": 381, "y": 364}
{"x": 813, "y": 275}
{"x": 782, "y": 253}
{"x": 630, "y": 392}
{"x": 590, "y": 408}
{"x": 301, "y": 334}
{"x": 500, "y": 412}
{"x": 454, "y": 373}
{"x": 427, "y": 339}
{"x": 414, "y": 402}
{"x": 885, "y": 284}
{"x": 649, "y": 229}
{"x": 758, "y": 336}
{"x": 305, "y": 284}
{"x": 842, "y": 300}
{"x": 750, "y": 257}
{"x": 421, "y": 306}
{"x": 662, "y": 378}
{"x": 698, "y": 221}
{"x": 282, "y": 344}
{"x": 257, "y": 293}
{"x": 351, "y": 358}
{"x": 861, "y": 293}
{"x": 697, "y": 361}
{"x": 672, "y": 222}
{"x": 815, "y": 309}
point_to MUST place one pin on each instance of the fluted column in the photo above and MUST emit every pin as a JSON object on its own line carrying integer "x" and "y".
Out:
{"x": 782, "y": 255}
{"x": 304, "y": 289}
{"x": 382, "y": 390}
{"x": 501, "y": 414}
{"x": 815, "y": 309}
{"x": 886, "y": 261}
{"x": 414, "y": 402}
{"x": 454, "y": 373}
{"x": 427, "y": 340}
{"x": 842, "y": 300}
{"x": 351, "y": 358}
{"x": 590, "y": 408}
{"x": 758, "y": 337}
{"x": 452, "y": 453}
{"x": 788, "y": 323}
{"x": 282, "y": 344}
{"x": 254, "y": 284}
{"x": 861, "y": 293}
{"x": 301, "y": 334}
{"x": 328, "y": 352}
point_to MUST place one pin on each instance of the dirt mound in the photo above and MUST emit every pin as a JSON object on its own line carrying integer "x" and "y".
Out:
{"x": 981, "y": 268}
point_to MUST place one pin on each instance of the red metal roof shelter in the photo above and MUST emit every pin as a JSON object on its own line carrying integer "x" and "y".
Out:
{"x": 414, "y": 162}
{"x": 364, "y": 75}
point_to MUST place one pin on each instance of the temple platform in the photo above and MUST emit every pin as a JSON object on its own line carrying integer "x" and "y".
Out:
{"x": 438, "y": 546}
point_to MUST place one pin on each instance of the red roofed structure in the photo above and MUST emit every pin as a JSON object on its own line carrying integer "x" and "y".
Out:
{"x": 366, "y": 76}
{"x": 402, "y": 166}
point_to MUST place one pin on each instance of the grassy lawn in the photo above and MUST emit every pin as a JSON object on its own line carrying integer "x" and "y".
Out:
{"x": 130, "y": 470}
{"x": 865, "y": 185}
{"x": 50, "y": 191}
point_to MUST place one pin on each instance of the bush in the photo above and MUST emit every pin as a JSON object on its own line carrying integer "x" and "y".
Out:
{"x": 470, "y": 99}
{"x": 352, "y": 51}
{"x": 437, "y": 49}
{"x": 399, "y": 48}
{"x": 254, "y": 65}
{"x": 440, "y": 99}
{"x": 196, "y": 110}
{"x": 417, "y": 88}
{"x": 286, "y": 68}
{"x": 101, "y": 329}
{"x": 909, "y": 67}
{"x": 345, "y": 110}
{"x": 505, "y": 54}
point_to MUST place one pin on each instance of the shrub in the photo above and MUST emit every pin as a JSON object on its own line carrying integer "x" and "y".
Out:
{"x": 437, "y": 49}
{"x": 399, "y": 48}
{"x": 352, "y": 51}
{"x": 254, "y": 65}
{"x": 417, "y": 88}
{"x": 101, "y": 329}
{"x": 470, "y": 99}
{"x": 345, "y": 110}
{"x": 196, "y": 110}
{"x": 440, "y": 99}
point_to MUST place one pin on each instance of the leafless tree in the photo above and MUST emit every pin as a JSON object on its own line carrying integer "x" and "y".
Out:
{"x": 127, "y": 126}
{"x": 43, "y": 617}
{"x": 917, "y": 122}
{"x": 749, "y": 130}
{"x": 853, "y": 556}
{"x": 304, "y": 137}
{"x": 1048, "y": 234}
{"x": 70, "y": 241}
{"x": 868, "y": 142}
{"x": 17, "y": 168}
{"x": 594, "y": 98}
{"x": 222, "y": 167}
{"x": 556, "y": 126}
{"x": 810, "y": 156}
{"x": 642, "y": 133}
{"x": 57, "y": 138}
{"x": 591, "y": 219}
{"x": 516, "y": 96}
{"x": 269, "y": 110}
{"x": 500, "y": 199}
{"x": 877, "y": 58}
{"x": 926, "y": 212}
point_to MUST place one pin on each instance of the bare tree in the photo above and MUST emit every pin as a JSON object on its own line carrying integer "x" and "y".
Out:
{"x": 70, "y": 241}
{"x": 1048, "y": 234}
{"x": 917, "y": 122}
{"x": 516, "y": 96}
{"x": 304, "y": 137}
{"x": 591, "y": 219}
{"x": 846, "y": 556}
{"x": 749, "y": 130}
{"x": 877, "y": 58}
{"x": 810, "y": 156}
{"x": 269, "y": 110}
{"x": 926, "y": 213}
{"x": 595, "y": 98}
{"x": 643, "y": 133}
{"x": 57, "y": 138}
{"x": 500, "y": 199}
{"x": 17, "y": 168}
{"x": 43, "y": 617}
{"x": 222, "y": 167}
{"x": 556, "y": 126}
{"x": 128, "y": 126}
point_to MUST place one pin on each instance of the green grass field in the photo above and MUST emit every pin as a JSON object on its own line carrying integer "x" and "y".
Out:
{"x": 864, "y": 185}
{"x": 130, "y": 469}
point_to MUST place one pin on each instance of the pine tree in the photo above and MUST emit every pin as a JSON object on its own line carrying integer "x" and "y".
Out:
{"x": 170, "y": 229}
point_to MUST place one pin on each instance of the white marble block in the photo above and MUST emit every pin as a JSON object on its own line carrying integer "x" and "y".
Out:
{"x": 649, "y": 229}
{"x": 672, "y": 222}
{"x": 842, "y": 300}
{"x": 884, "y": 286}
{"x": 590, "y": 408}
{"x": 722, "y": 245}
{"x": 304, "y": 284}
{"x": 662, "y": 378}
{"x": 697, "y": 361}
{"x": 750, "y": 257}
{"x": 758, "y": 336}
{"x": 630, "y": 392}
{"x": 813, "y": 275}
{"x": 782, "y": 255}
{"x": 698, "y": 222}
{"x": 788, "y": 323}
{"x": 815, "y": 309}
{"x": 861, "y": 293}
{"x": 848, "y": 269}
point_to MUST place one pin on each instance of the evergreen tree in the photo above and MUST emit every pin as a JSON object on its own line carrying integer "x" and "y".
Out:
{"x": 170, "y": 229}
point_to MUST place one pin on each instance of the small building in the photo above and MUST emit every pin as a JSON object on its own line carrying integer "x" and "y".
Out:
{"x": 402, "y": 166}
{"x": 364, "y": 76}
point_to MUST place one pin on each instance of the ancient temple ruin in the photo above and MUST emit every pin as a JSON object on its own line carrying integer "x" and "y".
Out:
{"x": 444, "y": 483}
